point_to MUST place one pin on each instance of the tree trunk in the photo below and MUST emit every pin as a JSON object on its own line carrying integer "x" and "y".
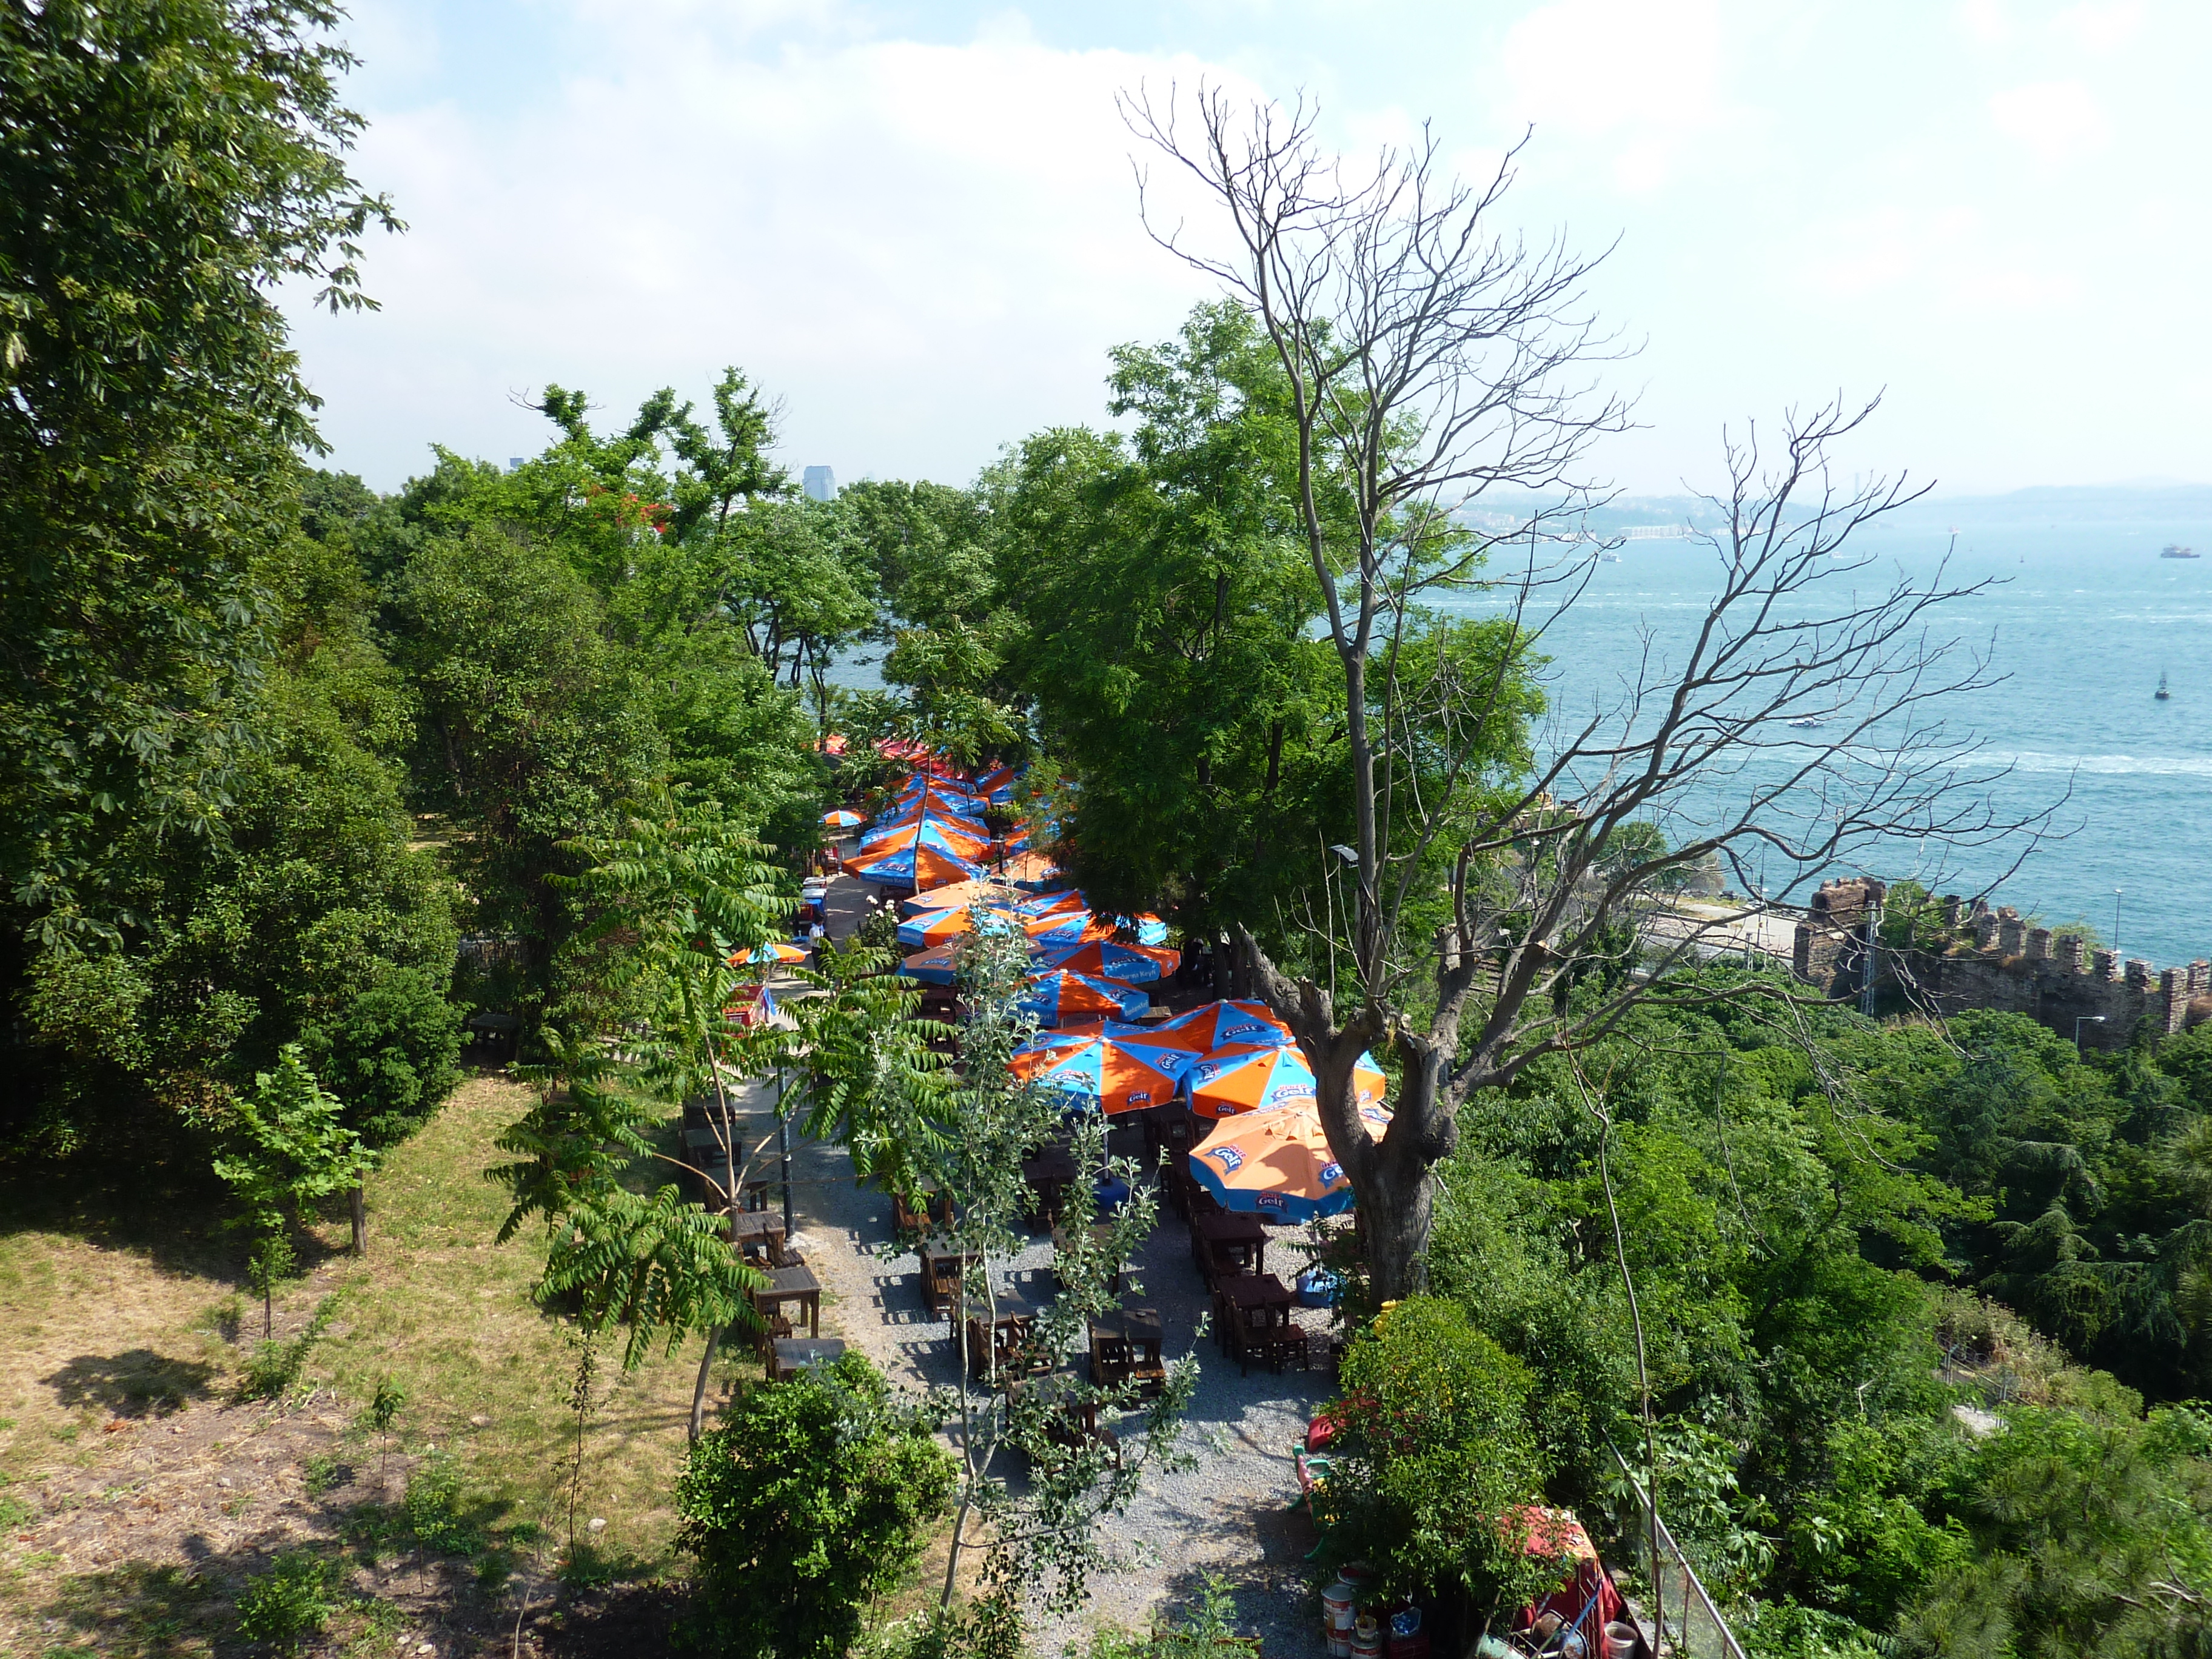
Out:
{"x": 360, "y": 1219}
{"x": 699, "y": 1389}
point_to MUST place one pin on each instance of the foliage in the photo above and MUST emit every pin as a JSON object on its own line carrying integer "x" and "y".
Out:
{"x": 1041, "y": 1539}
{"x": 813, "y": 1497}
{"x": 288, "y": 1146}
{"x": 310, "y": 920}
{"x": 163, "y": 167}
{"x": 870, "y": 1081}
{"x": 659, "y": 1268}
{"x": 2091, "y": 1537}
{"x": 291, "y": 1601}
{"x": 1167, "y": 603}
{"x": 276, "y": 1366}
{"x": 1199, "y": 1633}
{"x": 571, "y": 1145}
{"x": 1436, "y": 1471}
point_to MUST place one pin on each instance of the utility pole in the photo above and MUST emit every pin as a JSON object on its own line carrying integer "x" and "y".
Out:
{"x": 783, "y": 1152}
{"x": 1871, "y": 958}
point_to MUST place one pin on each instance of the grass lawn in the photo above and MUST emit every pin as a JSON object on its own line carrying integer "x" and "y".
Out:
{"x": 124, "y": 1461}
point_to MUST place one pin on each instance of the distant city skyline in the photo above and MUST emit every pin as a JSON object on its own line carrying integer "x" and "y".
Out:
{"x": 915, "y": 224}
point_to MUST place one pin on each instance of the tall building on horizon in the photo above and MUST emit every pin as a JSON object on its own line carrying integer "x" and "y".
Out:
{"x": 821, "y": 484}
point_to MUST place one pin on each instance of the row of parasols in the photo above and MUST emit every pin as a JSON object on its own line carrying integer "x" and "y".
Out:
{"x": 1231, "y": 1062}
{"x": 934, "y": 834}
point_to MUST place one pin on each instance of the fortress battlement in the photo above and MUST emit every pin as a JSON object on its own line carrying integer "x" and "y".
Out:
{"x": 1969, "y": 955}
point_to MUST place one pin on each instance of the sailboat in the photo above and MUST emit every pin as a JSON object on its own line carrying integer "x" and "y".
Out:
{"x": 2162, "y": 694}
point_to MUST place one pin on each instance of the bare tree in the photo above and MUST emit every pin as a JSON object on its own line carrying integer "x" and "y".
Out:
{"x": 1433, "y": 361}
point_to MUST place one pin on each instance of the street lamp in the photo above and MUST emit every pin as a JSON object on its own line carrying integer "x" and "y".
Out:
{"x": 2086, "y": 1019}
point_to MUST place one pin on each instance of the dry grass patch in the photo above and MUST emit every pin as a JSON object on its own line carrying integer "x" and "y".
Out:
{"x": 137, "y": 1496}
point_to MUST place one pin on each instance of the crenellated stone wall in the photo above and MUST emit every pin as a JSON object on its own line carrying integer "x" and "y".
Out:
{"x": 1994, "y": 959}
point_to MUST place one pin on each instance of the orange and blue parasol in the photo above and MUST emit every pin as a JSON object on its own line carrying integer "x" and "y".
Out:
{"x": 1277, "y": 1164}
{"x": 1133, "y": 964}
{"x": 1101, "y": 1072}
{"x": 1217, "y": 1024}
{"x": 1056, "y": 998}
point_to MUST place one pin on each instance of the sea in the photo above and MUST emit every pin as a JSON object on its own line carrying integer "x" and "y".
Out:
{"x": 2080, "y": 619}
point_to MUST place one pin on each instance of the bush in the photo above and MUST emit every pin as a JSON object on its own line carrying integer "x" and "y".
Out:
{"x": 289, "y": 1603}
{"x": 1434, "y": 1461}
{"x": 276, "y": 1366}
{"x": 437, "y": 1513}
{"x": 809, "y": 1502}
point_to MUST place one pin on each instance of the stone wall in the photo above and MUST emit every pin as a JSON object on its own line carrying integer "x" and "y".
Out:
{"x": 1994, "y": 959}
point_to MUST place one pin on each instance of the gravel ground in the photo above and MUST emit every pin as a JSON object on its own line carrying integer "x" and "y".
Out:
{"x": 1228, "y": 1514}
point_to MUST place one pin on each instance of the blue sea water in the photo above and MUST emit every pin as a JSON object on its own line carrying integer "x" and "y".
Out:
{"x": 2081, "y": 623}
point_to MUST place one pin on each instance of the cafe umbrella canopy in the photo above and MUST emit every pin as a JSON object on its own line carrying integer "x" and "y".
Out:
{"x": 1252, "y": 1076}
{"x": 1277, "y": 1164}
{"x": 1056, "y": 998}
{"x": 1133, "y": 964}
{"x": 1100, "y": 1071}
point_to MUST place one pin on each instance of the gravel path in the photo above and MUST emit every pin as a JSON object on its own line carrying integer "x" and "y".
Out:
{"x": 1225, "y": 1516}
{"x": 1228, "y": 1514}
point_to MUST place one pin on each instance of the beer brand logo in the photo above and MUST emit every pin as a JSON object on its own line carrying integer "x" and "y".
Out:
{"x": 1331, "y": 1173}
{"x": 1230, "y": 1158}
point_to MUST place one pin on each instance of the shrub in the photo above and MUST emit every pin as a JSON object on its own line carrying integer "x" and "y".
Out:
{"x": 809, "y": 1502}
{"x": 1435, "y": 1464}
{"x": 289, "y": 1603}
{"x": 276, "y": 1366}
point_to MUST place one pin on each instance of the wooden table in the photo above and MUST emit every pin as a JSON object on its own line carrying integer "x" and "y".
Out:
{"x": 758, "y": 1231}
{"x": 942, "y": 1266}
{"x": 1050, "y": 1174}
{"x": 786, "y": 1285}
{"x": 1254, "y": 1311}
{"x": 1229, "y": 1238}
{"x": 1126, "y": 1346}
{"x": 788, "y": 1355}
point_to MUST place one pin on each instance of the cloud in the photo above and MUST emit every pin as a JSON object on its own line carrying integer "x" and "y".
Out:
{"x": 2055, "y": 121}
{"x": 1636, "y": 76}
{"x": 915, "y": 243}
{"x": 2099, "y": 29}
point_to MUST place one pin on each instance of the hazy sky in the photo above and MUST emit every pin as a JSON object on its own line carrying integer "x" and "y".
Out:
{"x": 915, "y": 222}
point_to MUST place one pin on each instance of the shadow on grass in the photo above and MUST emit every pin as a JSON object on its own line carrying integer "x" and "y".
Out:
{"x": 136, "y": 1384}
{"x": 455, "y": 1551}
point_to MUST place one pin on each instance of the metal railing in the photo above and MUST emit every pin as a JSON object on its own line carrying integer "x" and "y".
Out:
{"x": 1692, "y": 1625}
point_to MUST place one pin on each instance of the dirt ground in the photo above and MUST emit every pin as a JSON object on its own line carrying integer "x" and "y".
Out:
{"x": 139, "y": 1496}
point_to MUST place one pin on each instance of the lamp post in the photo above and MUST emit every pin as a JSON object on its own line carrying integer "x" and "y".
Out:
{"x": 2086, "y": 1019}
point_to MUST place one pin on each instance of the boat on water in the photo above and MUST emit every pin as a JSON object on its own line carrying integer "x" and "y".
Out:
{"x": 1808, "y": 724}
{"x": 2162, "y": 694}
{"x": 1608, "y": 559}
{"x": 2171, "y": 551}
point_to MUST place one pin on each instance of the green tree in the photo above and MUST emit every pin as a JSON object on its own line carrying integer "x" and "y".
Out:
{"x": 534, "y": 726}
{"x": 2090, "y": 1537}
{"x": 287, "y": 1147}
{"x": 1167, "y": 604}
{"x": 809, "y": 1500}
{"x": 162, "y": 168}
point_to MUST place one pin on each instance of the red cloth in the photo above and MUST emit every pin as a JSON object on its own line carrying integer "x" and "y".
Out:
{"x": 1557, "y": 1533}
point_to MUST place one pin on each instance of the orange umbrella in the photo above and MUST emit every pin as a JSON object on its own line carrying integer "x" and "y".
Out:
{"x": 774, "y": 951}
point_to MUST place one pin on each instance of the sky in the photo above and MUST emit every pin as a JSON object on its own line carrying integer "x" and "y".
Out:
{"x": 916, "y": 224}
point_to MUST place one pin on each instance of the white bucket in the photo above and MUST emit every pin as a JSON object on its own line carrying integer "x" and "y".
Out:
{"x": 1619, "y": 1641}
{"x": 1337, "y": 1613}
